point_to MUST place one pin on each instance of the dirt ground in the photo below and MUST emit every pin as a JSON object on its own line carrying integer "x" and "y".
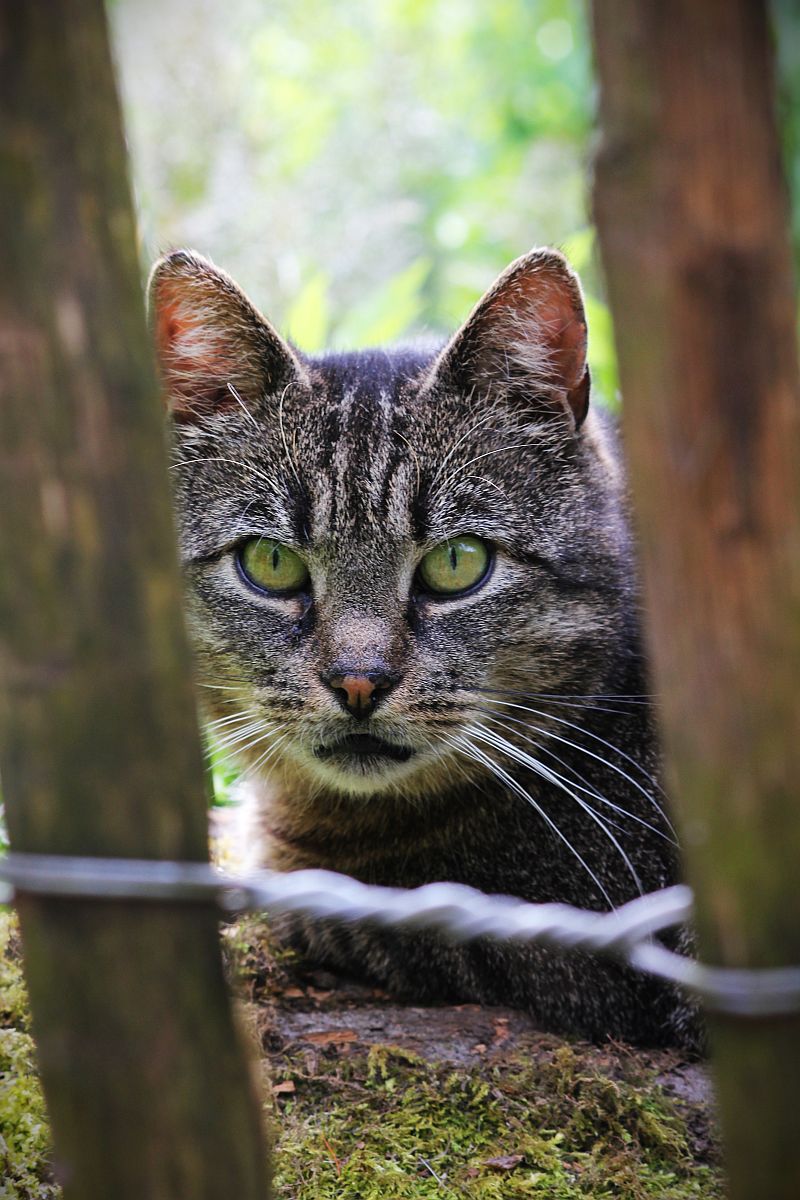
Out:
{"x": 301, "y": 1012}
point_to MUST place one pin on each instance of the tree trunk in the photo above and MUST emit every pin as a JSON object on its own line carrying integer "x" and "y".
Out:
{"x": 692, "y": 212}
{"x": 146, "y": 1076}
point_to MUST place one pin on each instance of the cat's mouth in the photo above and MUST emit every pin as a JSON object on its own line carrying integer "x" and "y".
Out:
{"x": 361, "y": 747}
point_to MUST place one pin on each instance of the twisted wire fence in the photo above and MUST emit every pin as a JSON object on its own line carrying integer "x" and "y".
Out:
{"x": 455, "y": 910}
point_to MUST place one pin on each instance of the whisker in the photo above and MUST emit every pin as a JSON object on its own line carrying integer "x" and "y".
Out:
{"x": 489, "y": 483}
{"x": 583, "y": 703}
{"x": 551, "y": 776}
{"x": 242, "y": 404}
{"x": 606, "y": 762}
{"x": 222, "y": 687}
{"x": 477, "y": 458}
{"x": 282, "y": 432}
{"x": 241, "y": 735}
{"x": 244, "y": 467}
{"x": 247, "y": 508}
{"x": 265, "y": 733}
{"x": 219, "y": 722}
{"x": 583, "y": 783}
{"x": 495, "y": 768}
{"x": 537, "y": 712}
{"x": 472, "y": 429}
{"x": 209, "y": 681}
{"x": 265, "y": 757}
{"x": 622, "y": 697}
{"x": 547, "y": 733}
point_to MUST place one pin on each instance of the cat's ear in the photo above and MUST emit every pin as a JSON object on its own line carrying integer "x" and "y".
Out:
{"x": 525, "y": 340}
{"x": 215, "y": 351}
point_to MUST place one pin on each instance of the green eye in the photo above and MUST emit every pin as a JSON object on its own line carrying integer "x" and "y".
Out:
{"x": 271, "y": 566}
{"x": 456, "y": 566}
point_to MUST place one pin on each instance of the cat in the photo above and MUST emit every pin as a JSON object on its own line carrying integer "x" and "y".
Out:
{"x": 413, "y": 600}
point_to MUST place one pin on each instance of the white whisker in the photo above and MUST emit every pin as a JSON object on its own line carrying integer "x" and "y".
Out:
{"x": 219, "y": 722}
{"x": 245, "y": 467}
{"x": 282, "y": 432}
{"x": 477, "y": 458}
{"x": 264, "y": 733}
{"x": 241, "y": 735}
{"x": 551, "y": 776}
{"x": 221, "y": 687}
{"x": 478, "y": 756}
{"x": 241, "y": 404}
{"x": 472, "y": 429}
{"x": 265, "y": 757}
{"x": 583, "y": 785}
{"x": 591, "y": 754}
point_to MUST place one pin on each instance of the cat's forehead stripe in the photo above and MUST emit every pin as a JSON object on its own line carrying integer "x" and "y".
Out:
{"x": 365, "y": 485}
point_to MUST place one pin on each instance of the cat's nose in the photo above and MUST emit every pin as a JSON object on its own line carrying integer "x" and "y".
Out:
{"x": 361, "y": 693}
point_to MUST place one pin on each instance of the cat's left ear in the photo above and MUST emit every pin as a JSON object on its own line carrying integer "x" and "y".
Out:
{"x": 525, "y": 340}
{"x": 215, "y": 351}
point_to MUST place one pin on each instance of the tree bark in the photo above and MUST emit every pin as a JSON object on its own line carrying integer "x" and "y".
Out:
{"x": 692, "y": 212}
{"x": 146, "y": 1076}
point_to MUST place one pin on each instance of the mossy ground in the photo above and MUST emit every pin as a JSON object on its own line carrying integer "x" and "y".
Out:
{"x": 390, "y": 1125}
{"x": 358, "y": 1118}
{"x": 24, "y": 1138}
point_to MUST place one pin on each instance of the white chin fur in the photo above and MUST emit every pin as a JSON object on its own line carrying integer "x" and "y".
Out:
{"x": 362, "y": 778}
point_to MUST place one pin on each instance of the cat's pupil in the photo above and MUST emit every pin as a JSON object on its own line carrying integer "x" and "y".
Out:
{"x": 453, "y": 557}
{"x": 276, "y": 557}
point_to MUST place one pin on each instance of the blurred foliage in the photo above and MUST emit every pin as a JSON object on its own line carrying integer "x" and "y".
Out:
{"x": 365, "y": 169}
{"x": 223, "y": 773}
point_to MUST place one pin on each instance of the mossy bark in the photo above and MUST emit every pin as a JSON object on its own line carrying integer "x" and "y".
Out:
{"x": 146, "y": 1077}
{"x": 692, "y": 212}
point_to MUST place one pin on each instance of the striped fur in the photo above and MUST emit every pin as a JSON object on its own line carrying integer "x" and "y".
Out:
{"x": 535, "y": 769}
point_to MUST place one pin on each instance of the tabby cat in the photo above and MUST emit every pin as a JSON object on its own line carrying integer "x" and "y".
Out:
{"x": 413, "y": 600}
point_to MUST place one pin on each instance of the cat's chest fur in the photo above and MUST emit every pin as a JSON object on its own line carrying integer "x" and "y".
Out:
{"x": 413, "y": 600}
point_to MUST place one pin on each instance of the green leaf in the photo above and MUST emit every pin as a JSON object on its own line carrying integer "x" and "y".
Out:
{"x": 308, "y": 319}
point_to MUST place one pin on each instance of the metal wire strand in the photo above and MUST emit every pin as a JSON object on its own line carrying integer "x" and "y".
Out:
{"x": 453, "y": 909}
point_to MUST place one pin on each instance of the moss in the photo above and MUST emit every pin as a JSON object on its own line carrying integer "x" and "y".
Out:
{"x": 391, "y": 1125}
{"x": 358, "y": 1123}
{"x": 13, "y": 997}
{"x": 24, "y": 1136}
{"x": 255, "y": 966}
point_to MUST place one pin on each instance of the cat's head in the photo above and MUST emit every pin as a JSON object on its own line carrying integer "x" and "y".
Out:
{"x": 380, "y": 545}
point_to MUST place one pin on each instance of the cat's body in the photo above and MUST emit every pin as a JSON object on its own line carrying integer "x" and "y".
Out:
{"x": 496, "y": 733}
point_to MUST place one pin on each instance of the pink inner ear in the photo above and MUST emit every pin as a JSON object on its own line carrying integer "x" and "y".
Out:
{"x": 564, "y": 332}
{"x": 547, "y": 309}
{"x": 541, "y": 315}
{"x": 194, "y": 356}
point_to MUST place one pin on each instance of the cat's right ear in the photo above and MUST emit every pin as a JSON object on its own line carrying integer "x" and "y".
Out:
{"x": 524, "y": 342}
{"x": 215, "y": 351}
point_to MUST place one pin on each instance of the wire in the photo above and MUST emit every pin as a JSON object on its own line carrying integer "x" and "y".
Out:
{"x": 457, "y": 911}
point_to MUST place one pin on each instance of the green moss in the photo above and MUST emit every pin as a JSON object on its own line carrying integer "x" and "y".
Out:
{"x": 393, "y": 1126}
{"x": 13, "y": 997}
{"x": 257, "y": 968}
{"x": 387, "y": 1124}
{"x": 24, "y": 1136}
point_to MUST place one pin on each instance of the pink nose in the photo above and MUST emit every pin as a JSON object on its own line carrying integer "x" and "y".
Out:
{"x": 359, "y": 693}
